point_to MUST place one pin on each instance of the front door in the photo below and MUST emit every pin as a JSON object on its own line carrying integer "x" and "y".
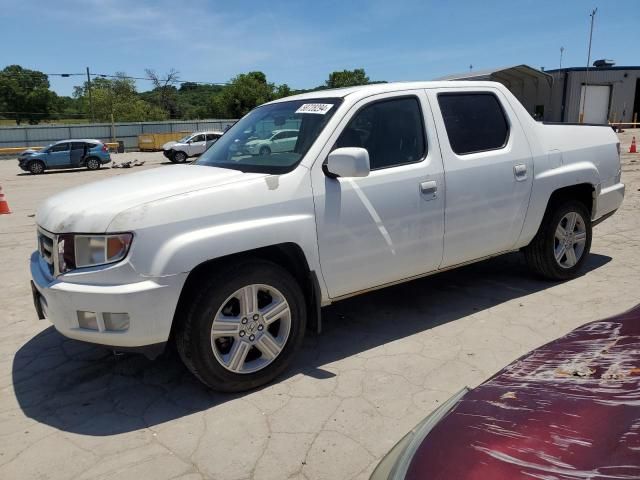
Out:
{"x": 387, "y": 226}
{"x": 58, "y": 156}
{"x": 77, "y": 153}
{"x": 196, "y": 145}
{"x": 489, "y": 172}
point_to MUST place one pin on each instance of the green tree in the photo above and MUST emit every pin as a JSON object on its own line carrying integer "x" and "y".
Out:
{"x": 25, "y": 93}
{"x": 347, "y": 78}
{"x": 117, "y": 99}
{"x": 164, "y": 93}
{"x": 245, "y": 92}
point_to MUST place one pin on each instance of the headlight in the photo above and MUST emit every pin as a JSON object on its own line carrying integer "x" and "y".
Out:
{"x": 395, "y": 464}
{"x": 78, "y": 251}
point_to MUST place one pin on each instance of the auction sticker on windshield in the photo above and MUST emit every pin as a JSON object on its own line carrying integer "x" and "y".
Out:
{"x": 320, "y": 108}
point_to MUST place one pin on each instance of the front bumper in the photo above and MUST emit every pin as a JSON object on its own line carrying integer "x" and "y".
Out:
{"x": 149, "y": 302}
{"x": 168, "y": 154}
{"x": 608, "y": 200}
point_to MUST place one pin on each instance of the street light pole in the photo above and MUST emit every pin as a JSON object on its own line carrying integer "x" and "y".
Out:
{"x": 561, "y": 52}
{"x": 586, "y": 78}
{"x": 90, "y": 99}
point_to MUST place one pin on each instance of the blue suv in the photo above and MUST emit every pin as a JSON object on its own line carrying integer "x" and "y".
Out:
{"x": 91, "y": 154}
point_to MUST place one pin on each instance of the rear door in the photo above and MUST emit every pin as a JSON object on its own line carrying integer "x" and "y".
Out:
{"x": 488, "y": 171}
{"x": 78, "y": 151}
{"x": 58, "y": 156}
{"x": 210, "y": 139}
{"x": 284, "y": 142}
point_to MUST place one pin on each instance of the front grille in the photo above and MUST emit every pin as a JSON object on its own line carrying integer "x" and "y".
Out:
{"x": 46, "y": 247}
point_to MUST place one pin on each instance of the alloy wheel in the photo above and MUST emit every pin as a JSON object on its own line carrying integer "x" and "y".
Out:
{"x": 251, "y": 328}
{"x": 570, "y": 240}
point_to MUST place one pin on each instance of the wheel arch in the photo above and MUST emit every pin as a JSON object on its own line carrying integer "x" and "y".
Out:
{"x": 288, "y": 255}
{"x": 579, "y": 180}
{"x": 583, "y": 192}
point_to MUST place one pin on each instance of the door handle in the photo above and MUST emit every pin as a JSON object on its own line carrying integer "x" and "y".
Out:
{"x": 429, "y": 188}
{"x": 520, "y": 172}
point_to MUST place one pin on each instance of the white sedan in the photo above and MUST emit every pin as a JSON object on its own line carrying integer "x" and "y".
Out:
{"x": 279, "y": 141}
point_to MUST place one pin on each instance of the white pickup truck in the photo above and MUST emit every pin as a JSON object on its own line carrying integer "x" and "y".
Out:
{"x": 233, "y": 256}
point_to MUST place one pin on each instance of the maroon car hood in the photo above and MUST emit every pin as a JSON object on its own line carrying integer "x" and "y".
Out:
{"x": 567, "y": 410}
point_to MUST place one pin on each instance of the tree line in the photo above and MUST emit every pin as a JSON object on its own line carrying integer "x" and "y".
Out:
{"x": 26, "y": 96}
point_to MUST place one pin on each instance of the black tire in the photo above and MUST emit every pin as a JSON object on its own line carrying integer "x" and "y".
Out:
{"x": 36, "y": 167}
{"x": 540, "y": 253}
{"x": 179, "y": 157}
{"x": 193, "y": 336}
{"x": 264, "y": 151}
{"x": 92, "y": 163}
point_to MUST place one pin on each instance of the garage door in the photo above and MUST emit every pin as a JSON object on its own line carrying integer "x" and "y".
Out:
{"x": 597, "y": 107}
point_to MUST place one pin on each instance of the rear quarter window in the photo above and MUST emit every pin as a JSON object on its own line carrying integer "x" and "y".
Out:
{"x": 475, "y": 122}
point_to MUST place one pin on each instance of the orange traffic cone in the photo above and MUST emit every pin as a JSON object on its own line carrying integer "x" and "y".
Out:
{"x": 4, "y": 206}
{"x": 632, "y": 148}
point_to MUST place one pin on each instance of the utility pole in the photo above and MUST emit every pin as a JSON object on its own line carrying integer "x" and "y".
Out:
{"x": 90, "y": 99}
{"x": 561, "y": 52}
{"x": 586, "y": 78}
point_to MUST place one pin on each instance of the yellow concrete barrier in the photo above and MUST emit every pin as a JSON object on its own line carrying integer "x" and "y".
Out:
{"x": 154, "y": 141}
{"x": 13, "y": 150}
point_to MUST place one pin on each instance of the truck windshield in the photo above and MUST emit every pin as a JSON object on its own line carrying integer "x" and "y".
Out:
{"x": 271, "y": 138}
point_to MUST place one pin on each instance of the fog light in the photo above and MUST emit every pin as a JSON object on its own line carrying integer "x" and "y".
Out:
{"x": 115, "y": 321}
{"x": 87, "y": 320}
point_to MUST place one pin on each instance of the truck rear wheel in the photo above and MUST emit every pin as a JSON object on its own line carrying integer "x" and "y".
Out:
{"x": 243, "y": 327}
{"x": 92, "y": 163}
{"x": 562, "y": 244}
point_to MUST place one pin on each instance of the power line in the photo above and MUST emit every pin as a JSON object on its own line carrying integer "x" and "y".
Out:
{"x": 108, "y": 75}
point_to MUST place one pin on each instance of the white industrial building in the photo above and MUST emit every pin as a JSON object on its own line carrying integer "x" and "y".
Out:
{"x": 612, "y": 93}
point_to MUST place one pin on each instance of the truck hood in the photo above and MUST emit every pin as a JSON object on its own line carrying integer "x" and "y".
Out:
{"x": 90, "y": 208}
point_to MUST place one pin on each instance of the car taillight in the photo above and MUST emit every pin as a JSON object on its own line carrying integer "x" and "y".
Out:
{"x": 105, "y": 148}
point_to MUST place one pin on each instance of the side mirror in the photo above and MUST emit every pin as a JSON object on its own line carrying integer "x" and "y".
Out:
{"x": 348, "y": 162}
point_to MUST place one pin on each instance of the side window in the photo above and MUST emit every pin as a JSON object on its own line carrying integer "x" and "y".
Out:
{"x": 198, "y": 138}
{"x": 475, "y": 122}
{"x": 392, "y": 131}
{"x": 61, "y": 147}
{"x": 79, "y": 145}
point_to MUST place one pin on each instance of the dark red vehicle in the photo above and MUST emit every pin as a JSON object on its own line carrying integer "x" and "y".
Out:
{"x": 567, "y": 410}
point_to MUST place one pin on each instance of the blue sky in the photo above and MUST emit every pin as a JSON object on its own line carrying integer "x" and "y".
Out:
{"x": 300, "y": 42}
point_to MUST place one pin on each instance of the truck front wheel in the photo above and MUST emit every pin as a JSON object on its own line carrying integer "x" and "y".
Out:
{"x": 562, "y": 244}
{"x": 243, "y": 327}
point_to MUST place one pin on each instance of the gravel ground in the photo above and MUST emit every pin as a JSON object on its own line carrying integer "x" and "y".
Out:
{"x": 385, "y": 360}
